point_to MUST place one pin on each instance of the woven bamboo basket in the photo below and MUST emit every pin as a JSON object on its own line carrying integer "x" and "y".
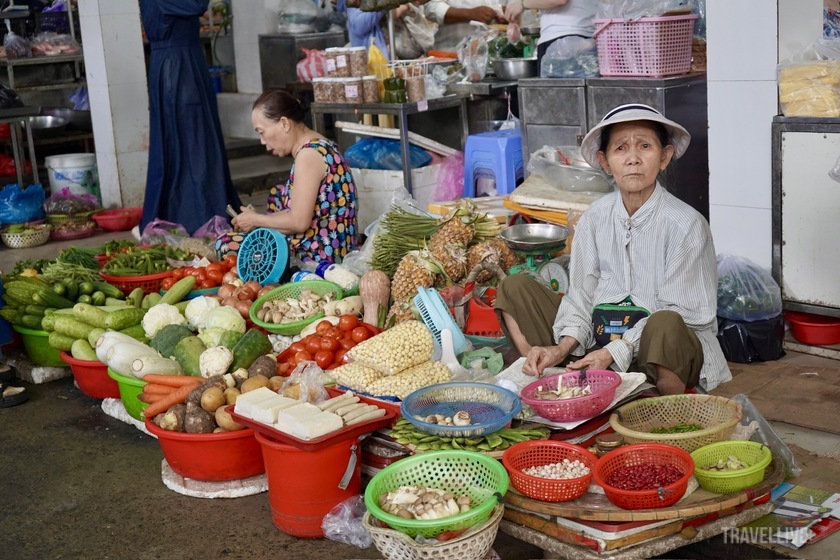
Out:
{"x": 26, "y": 240}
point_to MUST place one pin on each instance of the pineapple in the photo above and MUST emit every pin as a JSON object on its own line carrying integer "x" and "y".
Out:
{"x": 400, "y": 311}
{"x": 416, "y": 269}
{"x": 457, "y": 228}
{"x": 452, "y": 257}
{"x": 479, "y": 252}
{"x": 507, "y": 258}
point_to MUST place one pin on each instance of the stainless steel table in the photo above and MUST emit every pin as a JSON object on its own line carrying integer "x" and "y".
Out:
{"x": 15, "y": 118}
{"x": 402, "y": 111}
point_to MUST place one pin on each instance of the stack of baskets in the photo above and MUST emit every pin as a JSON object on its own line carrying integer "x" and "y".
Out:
{"x": 72, "y": 226}
{"x": 32, "y": 235}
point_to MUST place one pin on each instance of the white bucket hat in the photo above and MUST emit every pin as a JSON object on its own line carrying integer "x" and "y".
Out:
{"x": 678, "y": 135}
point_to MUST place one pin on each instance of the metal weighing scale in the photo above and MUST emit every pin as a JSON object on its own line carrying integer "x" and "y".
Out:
{"x": 537, "y": 244}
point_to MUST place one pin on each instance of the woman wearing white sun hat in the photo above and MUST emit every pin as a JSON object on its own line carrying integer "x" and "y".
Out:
{"x": 639, "y": 248}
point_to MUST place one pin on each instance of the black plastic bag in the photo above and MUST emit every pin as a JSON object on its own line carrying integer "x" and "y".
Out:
{"x": 9, "y": 98}
{"x": 746, "y": 342}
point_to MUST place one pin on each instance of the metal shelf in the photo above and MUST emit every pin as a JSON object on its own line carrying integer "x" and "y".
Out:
{"x": 36, "y": 60}
{"x": 51, "y": 87}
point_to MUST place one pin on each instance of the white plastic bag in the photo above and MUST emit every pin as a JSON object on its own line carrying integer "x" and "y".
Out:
{"x": 414, "y": 34}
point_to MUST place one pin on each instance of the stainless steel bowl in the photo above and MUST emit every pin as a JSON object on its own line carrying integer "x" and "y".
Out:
{"x": 515, "y": 68}
{"x": 76, "y": 119}
{"x": 46, "y": 127}
{"x": 534, "y": 237}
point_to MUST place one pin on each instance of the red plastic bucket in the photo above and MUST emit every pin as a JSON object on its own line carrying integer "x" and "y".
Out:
{"x": 303, "y": 486}
{"x": 92, "y": 377}
{"x": 210, "y": 457}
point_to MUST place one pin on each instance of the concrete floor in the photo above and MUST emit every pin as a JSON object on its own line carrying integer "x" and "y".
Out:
{"x": 79, "y": 484}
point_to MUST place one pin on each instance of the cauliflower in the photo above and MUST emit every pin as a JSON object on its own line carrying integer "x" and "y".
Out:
{"x": 215, "y": 361}
{"x": 198, "y": 310}
{"x": 159, "y": 316}
{"x": 226, "y": 318}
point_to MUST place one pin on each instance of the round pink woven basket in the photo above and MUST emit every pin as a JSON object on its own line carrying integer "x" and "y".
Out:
{"x": 602, "y": 383}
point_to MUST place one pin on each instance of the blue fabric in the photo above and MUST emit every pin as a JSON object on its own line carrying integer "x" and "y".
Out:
{"x": 361, "y": 26}
{"x": 188, "y": 180}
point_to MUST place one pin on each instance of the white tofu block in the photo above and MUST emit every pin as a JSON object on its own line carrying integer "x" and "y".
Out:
{"x": 266, "y": 411}
{"x": 245, "y": 403}
{"x": 307, "y": 421}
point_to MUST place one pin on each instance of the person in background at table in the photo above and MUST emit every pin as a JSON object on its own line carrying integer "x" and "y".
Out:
{"x": 558, "y": 19}
{"x": 188, "y": 179}
{"x": 316, "y": 208}
{"x": 640, "y": 247}
{"x": 364, "y": 27}
{"x": 453, "y": 18}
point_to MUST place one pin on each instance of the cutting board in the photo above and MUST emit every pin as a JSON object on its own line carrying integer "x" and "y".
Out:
{"x": 536, "y": 192}
{"x": 493, "y": 206}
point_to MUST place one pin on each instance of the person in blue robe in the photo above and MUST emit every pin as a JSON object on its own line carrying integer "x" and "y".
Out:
{"x": 188, "y": 180}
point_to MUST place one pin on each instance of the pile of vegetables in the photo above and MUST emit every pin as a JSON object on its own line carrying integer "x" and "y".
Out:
{"x": 211, "y": 276}
{"x": 412, "y": 502}
{"x": 327, "y": 346}
{"x": 678, "y": 429}
{"x": 406, "y": 433}
{"x": 143, "y": 261}
{"x": 645, "y": 476}
{"x": 731, "y": 463}
{"x": 294, "y": 309}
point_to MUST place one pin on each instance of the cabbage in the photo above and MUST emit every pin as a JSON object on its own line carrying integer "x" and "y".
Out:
{"x": 225, "y": 318}
{"x": 199, "y": 309}
{"x": 211, "y": 337}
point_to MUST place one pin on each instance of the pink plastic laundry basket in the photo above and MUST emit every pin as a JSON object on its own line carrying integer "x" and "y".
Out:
{"x": 647, "y": 47}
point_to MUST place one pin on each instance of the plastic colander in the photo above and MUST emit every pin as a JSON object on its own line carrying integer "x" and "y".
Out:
{"x": 436, "y": 317}
{"x": 263, "y": 256}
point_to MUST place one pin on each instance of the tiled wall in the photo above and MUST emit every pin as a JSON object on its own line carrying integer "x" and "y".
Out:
{"x": 745, "y": 38}
{"x": 251, "y": 18}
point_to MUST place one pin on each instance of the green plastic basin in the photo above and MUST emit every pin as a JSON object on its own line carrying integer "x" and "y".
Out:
{"x": 130, "y": 388}
{"x": 37, "y": 346}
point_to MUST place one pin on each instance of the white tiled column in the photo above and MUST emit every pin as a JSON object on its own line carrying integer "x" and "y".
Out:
{"x": 119, "y": 102}
{"x": 251, "y": 18}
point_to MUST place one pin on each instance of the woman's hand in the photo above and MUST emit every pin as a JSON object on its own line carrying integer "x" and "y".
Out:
{"x": 599, "y": 359}
{"x": 247, "y": 220}
{"x": 541, "y": 357}
{"x": 484, "y": 14}
{"x": 513, "y": 10}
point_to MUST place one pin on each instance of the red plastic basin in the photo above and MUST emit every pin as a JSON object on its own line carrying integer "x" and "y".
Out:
{"x": 92, "y": 377}
{"x": 816, "y": 330}
{"x": 211, "y": 457}
{"x": 118, "y": 219}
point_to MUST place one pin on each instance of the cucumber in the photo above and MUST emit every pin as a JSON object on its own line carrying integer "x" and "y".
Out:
{"x": 59, "y": 288}
{"x": 72, "y": 290}
{"x": 72, "y": 327}
{"x": 49, "y": 298}
{"x": 91, "y": 315}
{"x": 84, "y": 298}
{"x": 116, "y": 302}
{"x": 61, "y": 341}
{"x": 136, "y": 296}
{"x": 124, "y": 318}
{"x": 136, "y": 332}
{"x": 94, "y": 336}
{"x": 108, "y": 289}
{"x": 48, "y": 322}
{"x": 187, "y": 352}
{"x": 179, "y": 290}
{"x": 31, "y": 321}
{"x": 150, "y": 300}
{"x": 97, "y": 298}
{"x": 251, "y": 346}
{"x": 32, "y": 309}
{"x": 86, "y": 288}
{"x": 82, "y": 350}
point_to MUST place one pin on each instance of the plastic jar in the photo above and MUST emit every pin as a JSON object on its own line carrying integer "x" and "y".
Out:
{"x": 370, "y": 86}
{"x": 415, "y": 88}
{"x": 322, "y": 90}
{"x": 302, "y": 275}
{"x": 353, "y": 92}
{"x": 336, "y": 90}
{"x": 605, "y": 443}
{"x": 337, "y": 63}
{"x": 358, "y": 61}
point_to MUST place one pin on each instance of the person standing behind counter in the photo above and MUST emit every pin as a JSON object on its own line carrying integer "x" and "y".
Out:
{"x": 453, "y": 18}
{"x": 316, "y": 208}
{"x": 558, "y": 19}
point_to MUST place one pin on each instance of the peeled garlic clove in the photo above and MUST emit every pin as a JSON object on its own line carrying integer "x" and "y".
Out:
{"x": 462, "y": 418}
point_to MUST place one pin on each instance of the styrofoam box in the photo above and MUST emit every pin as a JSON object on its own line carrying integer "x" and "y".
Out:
{"x": 375, "y": 189}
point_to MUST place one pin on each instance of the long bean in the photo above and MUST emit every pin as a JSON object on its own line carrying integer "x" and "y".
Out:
{"x": 143, "y": 261}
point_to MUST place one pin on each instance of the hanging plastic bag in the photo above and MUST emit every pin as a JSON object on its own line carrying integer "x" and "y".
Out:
{"x": 15, "y": 46}
{"x": 213, "y": 228}
{"x": 21, "y": 205}
{"x": 473, "y": 52}
{"x": 344, "y": 523}
{"x": 414, "y": 34}
{"x": 450, "y": 179}
{"x": 383, "y": 153}
{"x": 745, "y": 291}
{"x": 161, "y": 231}
{"x": 7, "y": 164}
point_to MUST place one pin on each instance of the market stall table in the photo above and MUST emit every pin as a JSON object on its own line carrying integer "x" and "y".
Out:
{"x": 402, "y": 111}
{"x": 17, "y": 117}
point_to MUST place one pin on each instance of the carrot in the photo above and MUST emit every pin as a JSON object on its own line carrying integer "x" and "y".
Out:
{"x": 177, "y": 396}
{"x": 172, "y": 380}
{"x": 149, "y": 398}
{"x": 157, "y": 389}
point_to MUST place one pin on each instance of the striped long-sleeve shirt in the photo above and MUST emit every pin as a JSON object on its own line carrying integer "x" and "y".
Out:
{"x": 662, "y": 257}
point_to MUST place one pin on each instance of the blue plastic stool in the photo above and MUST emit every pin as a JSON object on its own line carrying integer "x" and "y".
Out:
{"x": 494, "y": 155}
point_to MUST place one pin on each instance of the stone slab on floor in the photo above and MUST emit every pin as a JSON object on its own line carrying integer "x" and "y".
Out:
{"x": 212, "y": 489}
{"x": 31, "y": 372}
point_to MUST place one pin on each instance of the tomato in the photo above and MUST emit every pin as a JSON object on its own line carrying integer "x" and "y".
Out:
{"x": 230, "y": 260}
{"x": 313, "y": 344}
{"x": 359, "y": 334}
{"x": 283, "y": 368}
{"x": 201, "y": 274}
{"x": 348, "y": 322}
{"x": 330, "y": 344}
{"x": 168, "y": 283}
{"x": 334, "y": 332}
{"x": 215, "y": 276}
{"x": 332, "y": 366}
{"x": 303, "y": 356}
{"x": 191, "y": 271}
{"x": 339, "y": 356}
{"x": 178, "y": 273}
{"x": 324, "y": 358}
{"x": 204, "y": 284}
{"x": 217, "y": 267}
{"x": 296, "y": 347}
{"x": 322, "y": 327}
{"x": 347, "y": 343}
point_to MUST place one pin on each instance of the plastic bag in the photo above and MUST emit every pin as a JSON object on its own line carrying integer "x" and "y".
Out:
{"x": 570, "y": 57}
{"x": 7, "y": 164}
{"x": 808, "y": 84}
{"x": 344, "y": 523}
{"x": 160, "y": 231}
{"x": 311, "y": 65}
{"x": 297, "y": 16}
{"x": 9, "y": 98}
{"x": 450, "y": 179}
{"x": 745, "y": 342}
{"x": 323, "y": 15}
{"x": 53, "y": 44}
{"x": 566, "y": 168}
{"x": 635, "y": 9}
{"x": 745, "y": 291}
{"x": 79, "y": 98}
{"x": 213, "y": 228}
{"x": 15, "y": 46}
{"x": 306, "y": 384}
{"x": 414, "y": 34}
{"x": 766, "y": 435}
{"x": 473, "y": 52}
{"x": 383, "y": 153}
{"x": 21, "y": 205}
{"x": 65, "y": 202}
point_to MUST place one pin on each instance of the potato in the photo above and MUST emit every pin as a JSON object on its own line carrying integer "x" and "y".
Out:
{"x": 226, "y": 421}
{"x": 276, "y": 382}
{"x": 212, "y": 398}
{"x": 230, "y": 395}
{"x": 254, "y": 383}
{"x": 197, "y": 420}
{"x": 264, "y": 365}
